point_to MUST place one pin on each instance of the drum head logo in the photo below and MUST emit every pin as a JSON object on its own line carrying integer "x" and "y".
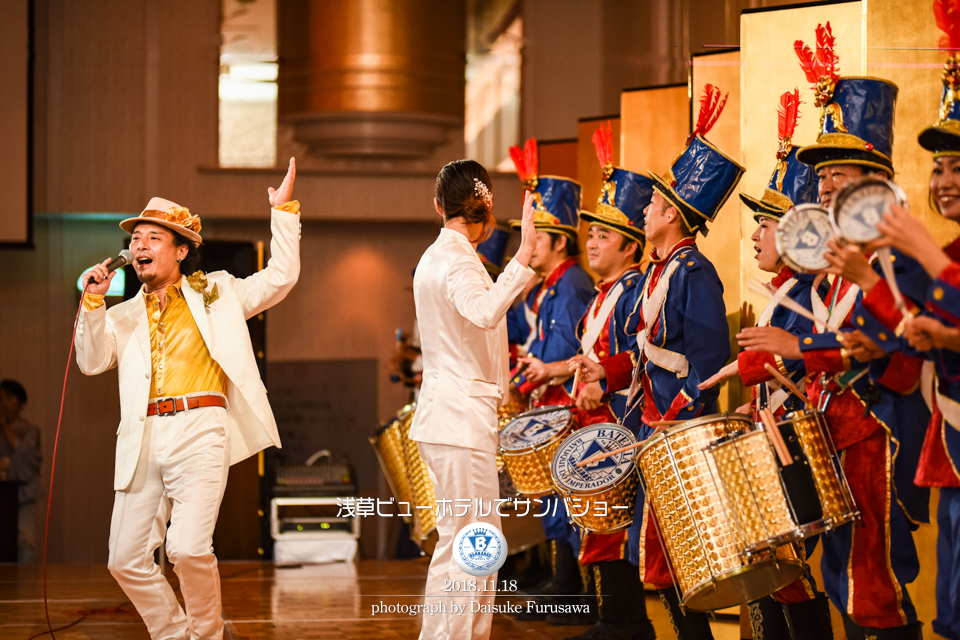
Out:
{"x": 803, "y": 234}
{"x": 587, "y": 443}
{"x": 531, "y": 430}
{"x": 480, "y": 549}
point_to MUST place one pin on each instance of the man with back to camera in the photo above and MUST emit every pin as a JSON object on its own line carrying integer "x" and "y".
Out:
{"x": 191, "y": 401}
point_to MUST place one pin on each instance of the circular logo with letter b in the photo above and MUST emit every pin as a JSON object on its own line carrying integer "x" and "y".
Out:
{"x": 480, "y": 549}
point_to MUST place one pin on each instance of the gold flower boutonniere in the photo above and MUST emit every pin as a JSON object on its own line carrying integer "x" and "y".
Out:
{"x": 198, "y": 282}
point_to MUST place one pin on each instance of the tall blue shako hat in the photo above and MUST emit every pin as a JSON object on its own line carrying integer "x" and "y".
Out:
{"x": 702, "y": 177}
{"x": 558, "y": 199}
{"x": 856, "y": 113}
{"x": 943, "y": 138}
{"x": 493, "y": 250}
{"x": 792, "y": 181}
{"x": 624, "y": 194}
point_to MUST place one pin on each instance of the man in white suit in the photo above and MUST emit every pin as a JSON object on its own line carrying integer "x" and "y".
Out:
{"x": 463, "y": 334}
{"x": 192, "y": 402}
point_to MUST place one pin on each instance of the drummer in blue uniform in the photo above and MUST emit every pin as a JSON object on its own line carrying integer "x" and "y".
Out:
{"x": 933, "y": 334}
{"x": 792, "y": 183}
{"x": 865, "y": 568}
{"x": 493, "y": 251}
{"x": 614, "y": 251}
{"x": 683, "y": 319}
{"x": 558, "y": 302}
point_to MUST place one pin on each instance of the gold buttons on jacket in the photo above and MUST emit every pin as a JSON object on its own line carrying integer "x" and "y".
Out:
{"x": 938, "y": 293}
{"x": 808, "y": 341}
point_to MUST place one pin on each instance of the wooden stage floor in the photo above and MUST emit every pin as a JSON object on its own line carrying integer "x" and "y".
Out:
{"x": 262, "y": 600}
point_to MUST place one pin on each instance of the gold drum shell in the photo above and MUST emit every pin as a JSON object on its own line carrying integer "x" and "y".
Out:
{"x": 702, "y": 542}
{"x": 835, "y": 497}
{"x": 750, "y": 478}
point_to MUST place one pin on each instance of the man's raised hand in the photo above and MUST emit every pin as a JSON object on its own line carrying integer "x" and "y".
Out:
{"x": 284, "y": 194}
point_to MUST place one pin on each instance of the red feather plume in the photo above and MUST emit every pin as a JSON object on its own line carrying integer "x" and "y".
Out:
{"x": 947, "y": 13}
{"x": 603, "y": 144}
{"x": 789, "y": 113}
{"x": 525, "y": 159}
{"x": 825, "y": 62}
{"x": 711, "y": 106}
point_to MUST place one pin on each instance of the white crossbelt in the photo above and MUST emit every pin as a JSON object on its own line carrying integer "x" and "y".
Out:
{"x": 652, "y": 305}
{"x": 839, "y": 311}
{"x": 930, "y": 387}
{"x": 776, "y": 394}
{"x": 594, "y": 325}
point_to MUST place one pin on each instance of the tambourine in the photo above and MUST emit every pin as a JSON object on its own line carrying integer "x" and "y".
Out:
{"x": 856, "y": 212}
{"x": 860, "y": 205}
{"x": 802, "y": 235}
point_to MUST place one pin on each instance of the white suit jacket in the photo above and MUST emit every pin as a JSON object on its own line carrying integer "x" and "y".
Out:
{"x": 461, "y": 314}
{"x": 120, "y": 337}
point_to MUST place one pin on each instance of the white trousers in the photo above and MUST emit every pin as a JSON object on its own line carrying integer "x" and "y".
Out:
{"x": 458, "y": 472}
{"x": 181, "y": 476}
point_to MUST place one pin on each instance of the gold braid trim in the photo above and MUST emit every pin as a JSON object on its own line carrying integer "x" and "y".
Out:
{"x": 756, "y": 620}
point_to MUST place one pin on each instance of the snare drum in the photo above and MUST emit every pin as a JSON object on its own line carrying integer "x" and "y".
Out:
{"x": 527, "y": 445}
{"x": 836, "y": 502}
{"x": 705, "y": 548}
{"x": 600, "y": 496}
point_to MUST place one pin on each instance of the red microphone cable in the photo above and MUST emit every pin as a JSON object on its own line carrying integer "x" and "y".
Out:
{"x": 53, "y": 462}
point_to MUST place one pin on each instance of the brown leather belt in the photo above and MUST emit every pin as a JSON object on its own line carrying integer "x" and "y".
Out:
{"x": 172, "y": 406}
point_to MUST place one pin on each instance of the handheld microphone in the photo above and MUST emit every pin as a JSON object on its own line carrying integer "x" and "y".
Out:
{"x": 121, "y": 260}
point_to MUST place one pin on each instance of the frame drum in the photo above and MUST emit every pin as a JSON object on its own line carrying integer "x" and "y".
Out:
{"x": 802, "y": 236}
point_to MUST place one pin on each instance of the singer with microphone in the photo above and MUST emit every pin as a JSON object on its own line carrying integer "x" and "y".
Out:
{"x": 192, "y": 402}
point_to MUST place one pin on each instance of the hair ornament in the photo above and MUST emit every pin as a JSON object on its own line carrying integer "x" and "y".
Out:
{"x": 480, "y": 189}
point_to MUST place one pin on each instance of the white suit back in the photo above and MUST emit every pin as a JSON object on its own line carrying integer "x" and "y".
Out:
{"x": 463, "y": 334}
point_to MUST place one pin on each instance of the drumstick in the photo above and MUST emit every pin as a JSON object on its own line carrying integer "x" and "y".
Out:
{"x": 775, "y": 437}
{"x": 791, "y": 304}
{"x": 602, "y": 456}
{"x": 785, "y": 381}
{"x": 607, "y": 454}
{"x": 884, "y": 256}
{"x": 576, "y": 381}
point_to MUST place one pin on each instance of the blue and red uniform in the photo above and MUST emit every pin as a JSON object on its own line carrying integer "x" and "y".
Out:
{"x": 559, "y": 302}
{"x": 614, "y": 348}
{"x": 939, "y": 458}
{"x": 690, "y": 323}
{"x": 874, "y": 421}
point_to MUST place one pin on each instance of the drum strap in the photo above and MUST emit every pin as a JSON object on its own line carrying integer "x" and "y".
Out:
{"x": 594, "y": 324}
{"x": 930, "y": 386}
{"x": 775, "y": 393}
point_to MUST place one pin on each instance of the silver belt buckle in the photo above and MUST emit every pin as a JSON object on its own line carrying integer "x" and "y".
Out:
{"x": 173, "y": 412}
